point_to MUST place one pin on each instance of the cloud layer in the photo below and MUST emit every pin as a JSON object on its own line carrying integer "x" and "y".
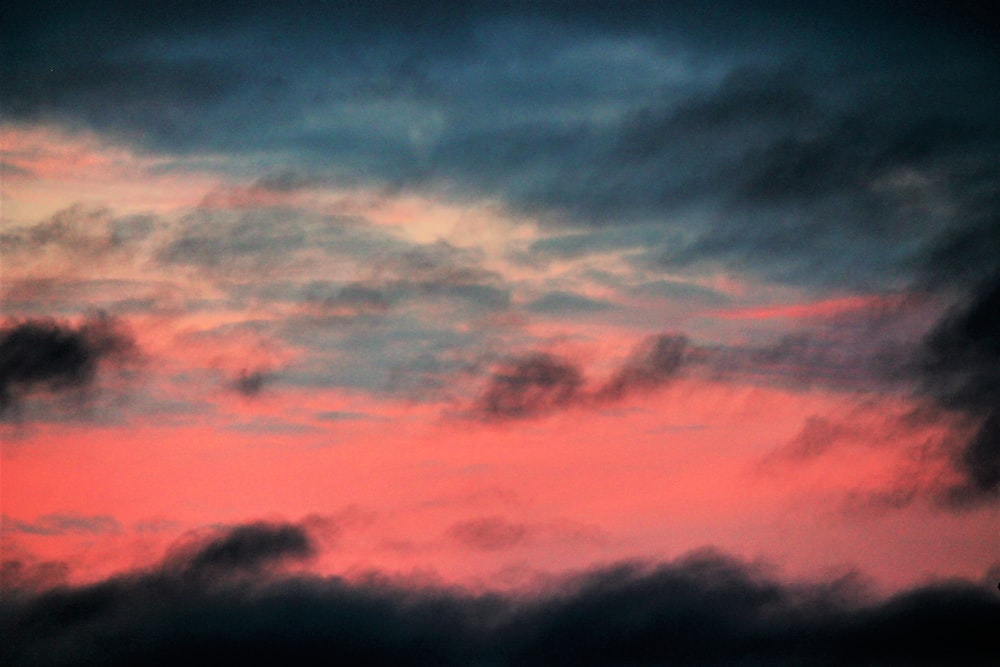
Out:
{"x": 704, "y": 609}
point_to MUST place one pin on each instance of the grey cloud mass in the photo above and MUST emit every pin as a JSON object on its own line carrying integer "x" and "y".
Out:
{"x": 199, "y": 607}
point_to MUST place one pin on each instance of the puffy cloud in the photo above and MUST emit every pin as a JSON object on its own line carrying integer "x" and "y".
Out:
{"x": 44, "y": 354}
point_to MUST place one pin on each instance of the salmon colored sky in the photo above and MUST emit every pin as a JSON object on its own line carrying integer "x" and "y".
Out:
{"x": 485, "y": 309}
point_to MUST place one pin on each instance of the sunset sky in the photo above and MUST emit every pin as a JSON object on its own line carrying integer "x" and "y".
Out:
{"x": 530, "y": 311}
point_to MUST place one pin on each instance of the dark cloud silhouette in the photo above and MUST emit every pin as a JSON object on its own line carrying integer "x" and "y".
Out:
{"x": 244, "y": 548}
{"x": 530, "y": 386}
{"x": 251, "y": 382}
{"x": 653, "y": 363}
{"x": 539, "y": 384}
{"x": 44, "y": 354}
{"x": 704, "y": 609}
{"x": 960, "y": 368}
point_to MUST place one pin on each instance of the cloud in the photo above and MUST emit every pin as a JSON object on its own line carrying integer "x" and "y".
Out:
{"x": 561, "y": 302}
{"x": 672, "y": 131}
{"x": 244, "y": 548}
{"x": 948, "y": 366}
{"x": 541, "y": 383}
{"x": 530, "y": 386}
{"x": 44, "y": 354}
{"x": 960, "y": 370}
{"x": 495, "y": 533}
{"x": 654, "y": 362}
{"x": 489, "y": 533}
{"x": 705, "y": 608}
{"x": 64, "y": 523}
{"x": 251, "y": 382}
{"x": 85, "y": 233}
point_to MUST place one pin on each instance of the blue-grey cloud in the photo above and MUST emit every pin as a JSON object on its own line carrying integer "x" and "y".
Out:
{"x": 767, "y": 138}
{"x": 561, "y": 302}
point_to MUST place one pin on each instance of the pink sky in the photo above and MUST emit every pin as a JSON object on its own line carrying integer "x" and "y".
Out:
{"x": 805, "y": 462}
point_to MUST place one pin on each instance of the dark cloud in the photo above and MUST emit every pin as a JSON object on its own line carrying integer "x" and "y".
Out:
{"x": 705, "y": 609}
{"x": 654, "y": 362}
{"x": 541, "y": 383}
{"x": 530, "y": 386}
{"x": 44, "y": 354}
{"x": 951, "y": 371}
{"x": 960, "y": 368}
{"x": 251, "y": 382}
{"x": 244, "y": 548}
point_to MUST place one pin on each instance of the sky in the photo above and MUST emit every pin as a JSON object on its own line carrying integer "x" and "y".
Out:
{"x": 500, "y": 333}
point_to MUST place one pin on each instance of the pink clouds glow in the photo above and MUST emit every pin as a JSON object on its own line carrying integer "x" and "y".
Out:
{"x": 654, "y": 477}
{"x": 47, "y": 167}
{"x": 226, "y": 418}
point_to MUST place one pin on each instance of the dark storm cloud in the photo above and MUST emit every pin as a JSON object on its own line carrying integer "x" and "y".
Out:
{"x": 705, "y": 609}
{"x": 43, "y": 354}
